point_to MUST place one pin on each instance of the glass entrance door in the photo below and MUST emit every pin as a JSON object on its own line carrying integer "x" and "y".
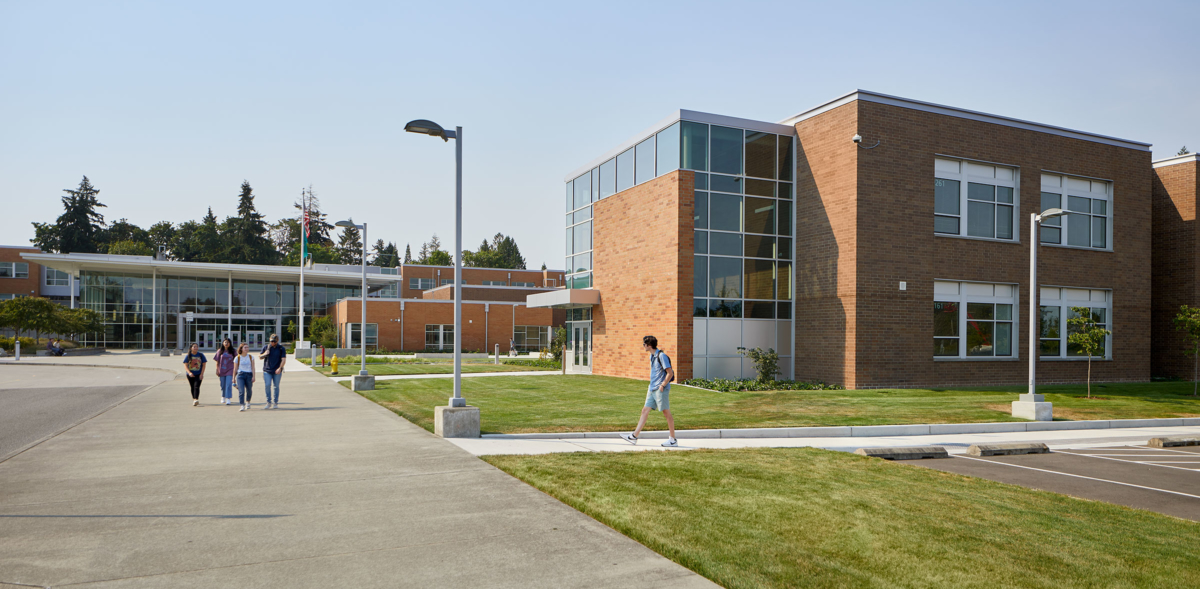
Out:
{"x": 579, "y": 343}
{"x": 207, "y": 340}
{"x": 255, "y": 339}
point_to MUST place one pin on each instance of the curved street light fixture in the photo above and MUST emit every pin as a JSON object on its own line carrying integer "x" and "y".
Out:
{"x": 427, "y": 127}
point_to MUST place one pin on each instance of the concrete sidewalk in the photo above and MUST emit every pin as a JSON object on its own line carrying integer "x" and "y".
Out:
{"x": 330, "y": 490}
{"x": 955, "y": 443}
{"x": 465, "y": 375}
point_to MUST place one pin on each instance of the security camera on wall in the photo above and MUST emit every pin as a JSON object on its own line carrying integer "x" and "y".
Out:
{"x": 857, "y": 138}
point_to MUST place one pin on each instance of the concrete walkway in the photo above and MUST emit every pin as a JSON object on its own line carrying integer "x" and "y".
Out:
{"x": 329, "y": 491}
{"x": 955, "y": 443}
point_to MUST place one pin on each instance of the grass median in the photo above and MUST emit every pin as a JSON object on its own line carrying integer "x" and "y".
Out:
{"x": 801, "y": 517}
{"x": 554, "y": 403}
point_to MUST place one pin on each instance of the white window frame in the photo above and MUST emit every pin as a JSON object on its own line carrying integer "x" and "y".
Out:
{"x": 372, "y": 340}
{"x": 5, "y": 296}
{"x": 965, "y": 292}
{"x": 1065, "y": 297}
{"x": 527, "y": 284}
{"x": 1066, "y": 186}
{"x": 441, "y": 331}
{"x": 445, "y": 281}
{"x": 979, "y": 172}
{"x": 63, "y": 280}
{"x": 421, "y": 284}
{"x": 544, "y": 335}
{"x": 15, "y": 269}
{"x": 494, "y": 283}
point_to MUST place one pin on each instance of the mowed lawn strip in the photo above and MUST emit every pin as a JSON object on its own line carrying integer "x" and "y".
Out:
{"x": 802, "y": 517}
{"x": 345, "y": 369}
{"x": 523, "y": 404}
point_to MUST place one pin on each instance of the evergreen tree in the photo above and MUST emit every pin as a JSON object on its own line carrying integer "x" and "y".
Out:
{"x": 379, "y": 250}
{"x": 207, "y": 242}
{"x": 502, "y": 252}
{"x": 507, "y": 248}
{"x": 408, "y": 254}
{"x": 245, "y": 236}
{"x": 80, "y": 224}
{"x": 433, "y": 255}
{"x": 392, "y": 255}
{"x": 184, "y": 246}
{"x": 1183, "y": 151}
{"x": 285, "y": 236}
{"x": 349, "y": 248}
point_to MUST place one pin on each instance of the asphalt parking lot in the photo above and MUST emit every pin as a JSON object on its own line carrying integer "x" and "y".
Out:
{"x": 1166, "y": 480}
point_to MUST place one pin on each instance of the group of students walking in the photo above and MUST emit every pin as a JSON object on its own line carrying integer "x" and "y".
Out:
{"x": 237, "y": 367}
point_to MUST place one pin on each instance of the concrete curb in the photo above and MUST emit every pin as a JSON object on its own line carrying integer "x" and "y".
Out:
{"x": 904, "y": 452}
{"x": 1007, "y": 449}
{"x": 870, "y": 430}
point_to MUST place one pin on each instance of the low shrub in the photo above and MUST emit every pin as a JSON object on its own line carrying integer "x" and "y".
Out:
{"x": 28, "y": 345}
{"x": 725, "y": 385}
{"x": 538, "y": 363}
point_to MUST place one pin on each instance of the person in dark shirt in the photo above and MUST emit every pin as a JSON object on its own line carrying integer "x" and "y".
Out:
{"x": 196, "y": 365}
{"x": 273, "y": 357}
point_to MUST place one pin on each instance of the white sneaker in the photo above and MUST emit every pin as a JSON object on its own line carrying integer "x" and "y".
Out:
{"x": 244, "y": 407}
{"x": 671, "y": 443}
{"x": 632, "y": 439}
{"x": 195, "y": 402}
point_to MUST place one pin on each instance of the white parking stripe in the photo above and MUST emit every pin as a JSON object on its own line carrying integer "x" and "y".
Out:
{"x": 1146, "y": 462}
{"x": 1079, "y": 476}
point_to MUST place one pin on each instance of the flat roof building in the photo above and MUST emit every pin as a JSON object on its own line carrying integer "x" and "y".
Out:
{"x": 873, "y": 241}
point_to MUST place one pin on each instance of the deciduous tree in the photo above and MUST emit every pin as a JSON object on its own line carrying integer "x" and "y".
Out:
{"x": 1085, "y": 333}
{"x": 1188, "y": 321}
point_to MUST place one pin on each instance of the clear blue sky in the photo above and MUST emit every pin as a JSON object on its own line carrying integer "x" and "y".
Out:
{"x": 168, "y": 106}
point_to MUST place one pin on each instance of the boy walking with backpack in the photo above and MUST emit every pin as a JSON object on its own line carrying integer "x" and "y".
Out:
{"x": 658, "y": 396}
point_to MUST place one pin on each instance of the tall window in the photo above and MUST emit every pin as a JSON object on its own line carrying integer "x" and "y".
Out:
{"x": 1088, "y": 224}
{"x": 974, "y": 320}
{"x": 1056, "y": 305}
{"x": 354, "y": 331}
{"x": 14, "y": 270}
{"x": 57, "y": 278}
{"x": 439, "y": 337}
{"x": 974, "y": 200}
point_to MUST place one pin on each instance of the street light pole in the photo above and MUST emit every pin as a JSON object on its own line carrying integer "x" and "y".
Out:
{"x": 362, "y": 327}
{"x": 458, "y": 400}
{"x": 1031, "y": 405}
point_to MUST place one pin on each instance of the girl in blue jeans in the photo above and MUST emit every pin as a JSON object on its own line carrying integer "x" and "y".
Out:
{"x": 244, "y": 369}
{"x": 224, "y": 360}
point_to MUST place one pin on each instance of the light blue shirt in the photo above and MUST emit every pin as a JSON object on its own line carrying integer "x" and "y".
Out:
{"x": 658, "y": 373}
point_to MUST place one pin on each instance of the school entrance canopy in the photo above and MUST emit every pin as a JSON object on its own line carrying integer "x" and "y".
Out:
{"x": 564, "y": 299}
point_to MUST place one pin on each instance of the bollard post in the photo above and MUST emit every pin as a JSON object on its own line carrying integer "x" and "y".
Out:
{"x": 322, "y": 356}
{"x": 497, "y": 353}
{"x": 17, "y": 348}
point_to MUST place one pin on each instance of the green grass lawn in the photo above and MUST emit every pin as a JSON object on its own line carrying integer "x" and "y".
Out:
{"x": 801, "y": 517}
{"x": 345, "y": 369}
{"x": 521, "y": 404}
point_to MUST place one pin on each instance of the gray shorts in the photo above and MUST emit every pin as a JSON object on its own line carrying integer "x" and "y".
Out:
{"x": 658, "y": 400}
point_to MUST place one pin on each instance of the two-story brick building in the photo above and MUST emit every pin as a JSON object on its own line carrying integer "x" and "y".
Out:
{"x": 872, "y": 241}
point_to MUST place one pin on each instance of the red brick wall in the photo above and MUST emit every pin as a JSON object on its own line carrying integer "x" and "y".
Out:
{"x": 1176, "y": 248}
{"x": 496, "y": 322}
{"x": 472, "y": 276}
{"x": 642, "y": 240}
{"x": 892, "y": 240}
{"x": 482, "y": 293}
{"x": 826, "y": 245}
{"x": 22, "y": 286}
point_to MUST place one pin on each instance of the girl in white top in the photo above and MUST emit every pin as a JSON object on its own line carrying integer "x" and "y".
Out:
{"x": 243, "y": 367}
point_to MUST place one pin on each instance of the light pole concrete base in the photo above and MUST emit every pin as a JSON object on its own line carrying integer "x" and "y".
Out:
{"x": 456, "y": 422}
{"x": 363, "y": 383}
{"x": 1035, "y": 410}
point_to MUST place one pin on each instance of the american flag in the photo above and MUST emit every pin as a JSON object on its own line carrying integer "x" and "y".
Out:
{"x": 306, "y": 233}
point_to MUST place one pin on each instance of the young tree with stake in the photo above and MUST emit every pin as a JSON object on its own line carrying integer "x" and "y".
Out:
{"x": 1088, "y": 335}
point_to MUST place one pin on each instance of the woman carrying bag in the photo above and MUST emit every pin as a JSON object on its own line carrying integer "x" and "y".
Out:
{"x": 243, "y": 366}
{"x": 224, "y": 359}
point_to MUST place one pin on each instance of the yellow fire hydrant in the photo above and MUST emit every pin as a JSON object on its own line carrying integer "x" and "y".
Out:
{"x": 333, "y": 364}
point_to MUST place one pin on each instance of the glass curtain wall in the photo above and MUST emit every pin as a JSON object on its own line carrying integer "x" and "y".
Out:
{"x": 126, "y": 302}
{"x": 744, "y": 240}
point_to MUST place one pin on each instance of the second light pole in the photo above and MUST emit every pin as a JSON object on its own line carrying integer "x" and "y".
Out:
{"x": 362, "y": 327}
